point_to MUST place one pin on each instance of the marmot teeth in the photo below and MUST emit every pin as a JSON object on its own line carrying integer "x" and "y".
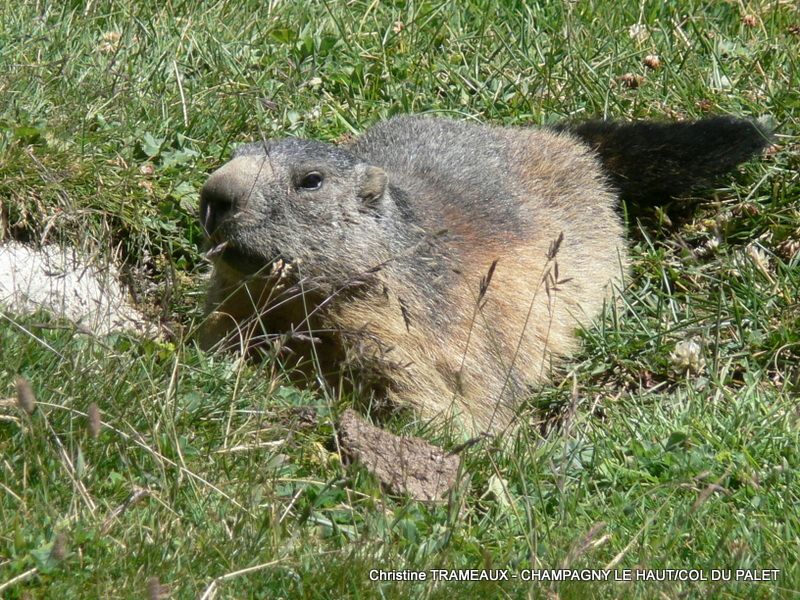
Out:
{"x": 216, "y": 250}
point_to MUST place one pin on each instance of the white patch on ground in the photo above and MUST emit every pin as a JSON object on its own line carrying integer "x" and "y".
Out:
{"x": 61, "y": 282}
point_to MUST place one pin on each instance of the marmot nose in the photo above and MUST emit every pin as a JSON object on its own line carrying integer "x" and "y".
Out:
{"x": 216, "y": 204}
{"x": 230, "y": 188}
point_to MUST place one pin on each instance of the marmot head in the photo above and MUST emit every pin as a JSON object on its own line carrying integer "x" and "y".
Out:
{"x": 300, "y": 202}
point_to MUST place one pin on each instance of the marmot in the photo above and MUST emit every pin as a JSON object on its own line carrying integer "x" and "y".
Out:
{"x": 444, "y": 264}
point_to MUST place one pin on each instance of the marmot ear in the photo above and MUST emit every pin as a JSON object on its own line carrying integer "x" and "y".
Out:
{"x": 371, "y": 184}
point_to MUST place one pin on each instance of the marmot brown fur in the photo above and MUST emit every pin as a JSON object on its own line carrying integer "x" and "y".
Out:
{"x": 445, "y": 264}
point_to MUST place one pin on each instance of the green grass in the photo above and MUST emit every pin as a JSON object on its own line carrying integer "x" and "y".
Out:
{"x": 653, "y": 467}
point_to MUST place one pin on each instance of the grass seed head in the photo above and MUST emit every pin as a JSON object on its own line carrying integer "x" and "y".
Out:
{"x": 639, "y": 32}
{"x": 93, "y": 416}
{"x": 555, "y": 245}
{"x": 688, "y": 356}
{"x": 749, "y": 20}
{"x": 109, "y": 42}
{"x": 25, "y": 397}
{"x": 155, "y": 591}
{"x": 59, "y": 549}
{"x": 631, "y": 80}
{"x": 788, "y": 248}
{"x": 652, "y": 61}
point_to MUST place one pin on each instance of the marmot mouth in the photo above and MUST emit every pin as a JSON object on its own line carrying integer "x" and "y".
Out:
{"x": 250, "y": 263}
{"x": 244, "y": 261}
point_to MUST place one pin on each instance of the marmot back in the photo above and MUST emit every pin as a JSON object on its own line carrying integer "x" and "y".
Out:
{"x": 443, "y": 264}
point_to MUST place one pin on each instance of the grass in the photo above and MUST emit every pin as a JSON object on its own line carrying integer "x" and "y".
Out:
{"x": 113, "y": 114}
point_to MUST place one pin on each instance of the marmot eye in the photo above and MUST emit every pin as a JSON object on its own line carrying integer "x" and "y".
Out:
{"x": 311, "y": 181}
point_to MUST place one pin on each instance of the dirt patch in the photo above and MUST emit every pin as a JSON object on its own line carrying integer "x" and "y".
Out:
{"x": 406, "y": 466}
